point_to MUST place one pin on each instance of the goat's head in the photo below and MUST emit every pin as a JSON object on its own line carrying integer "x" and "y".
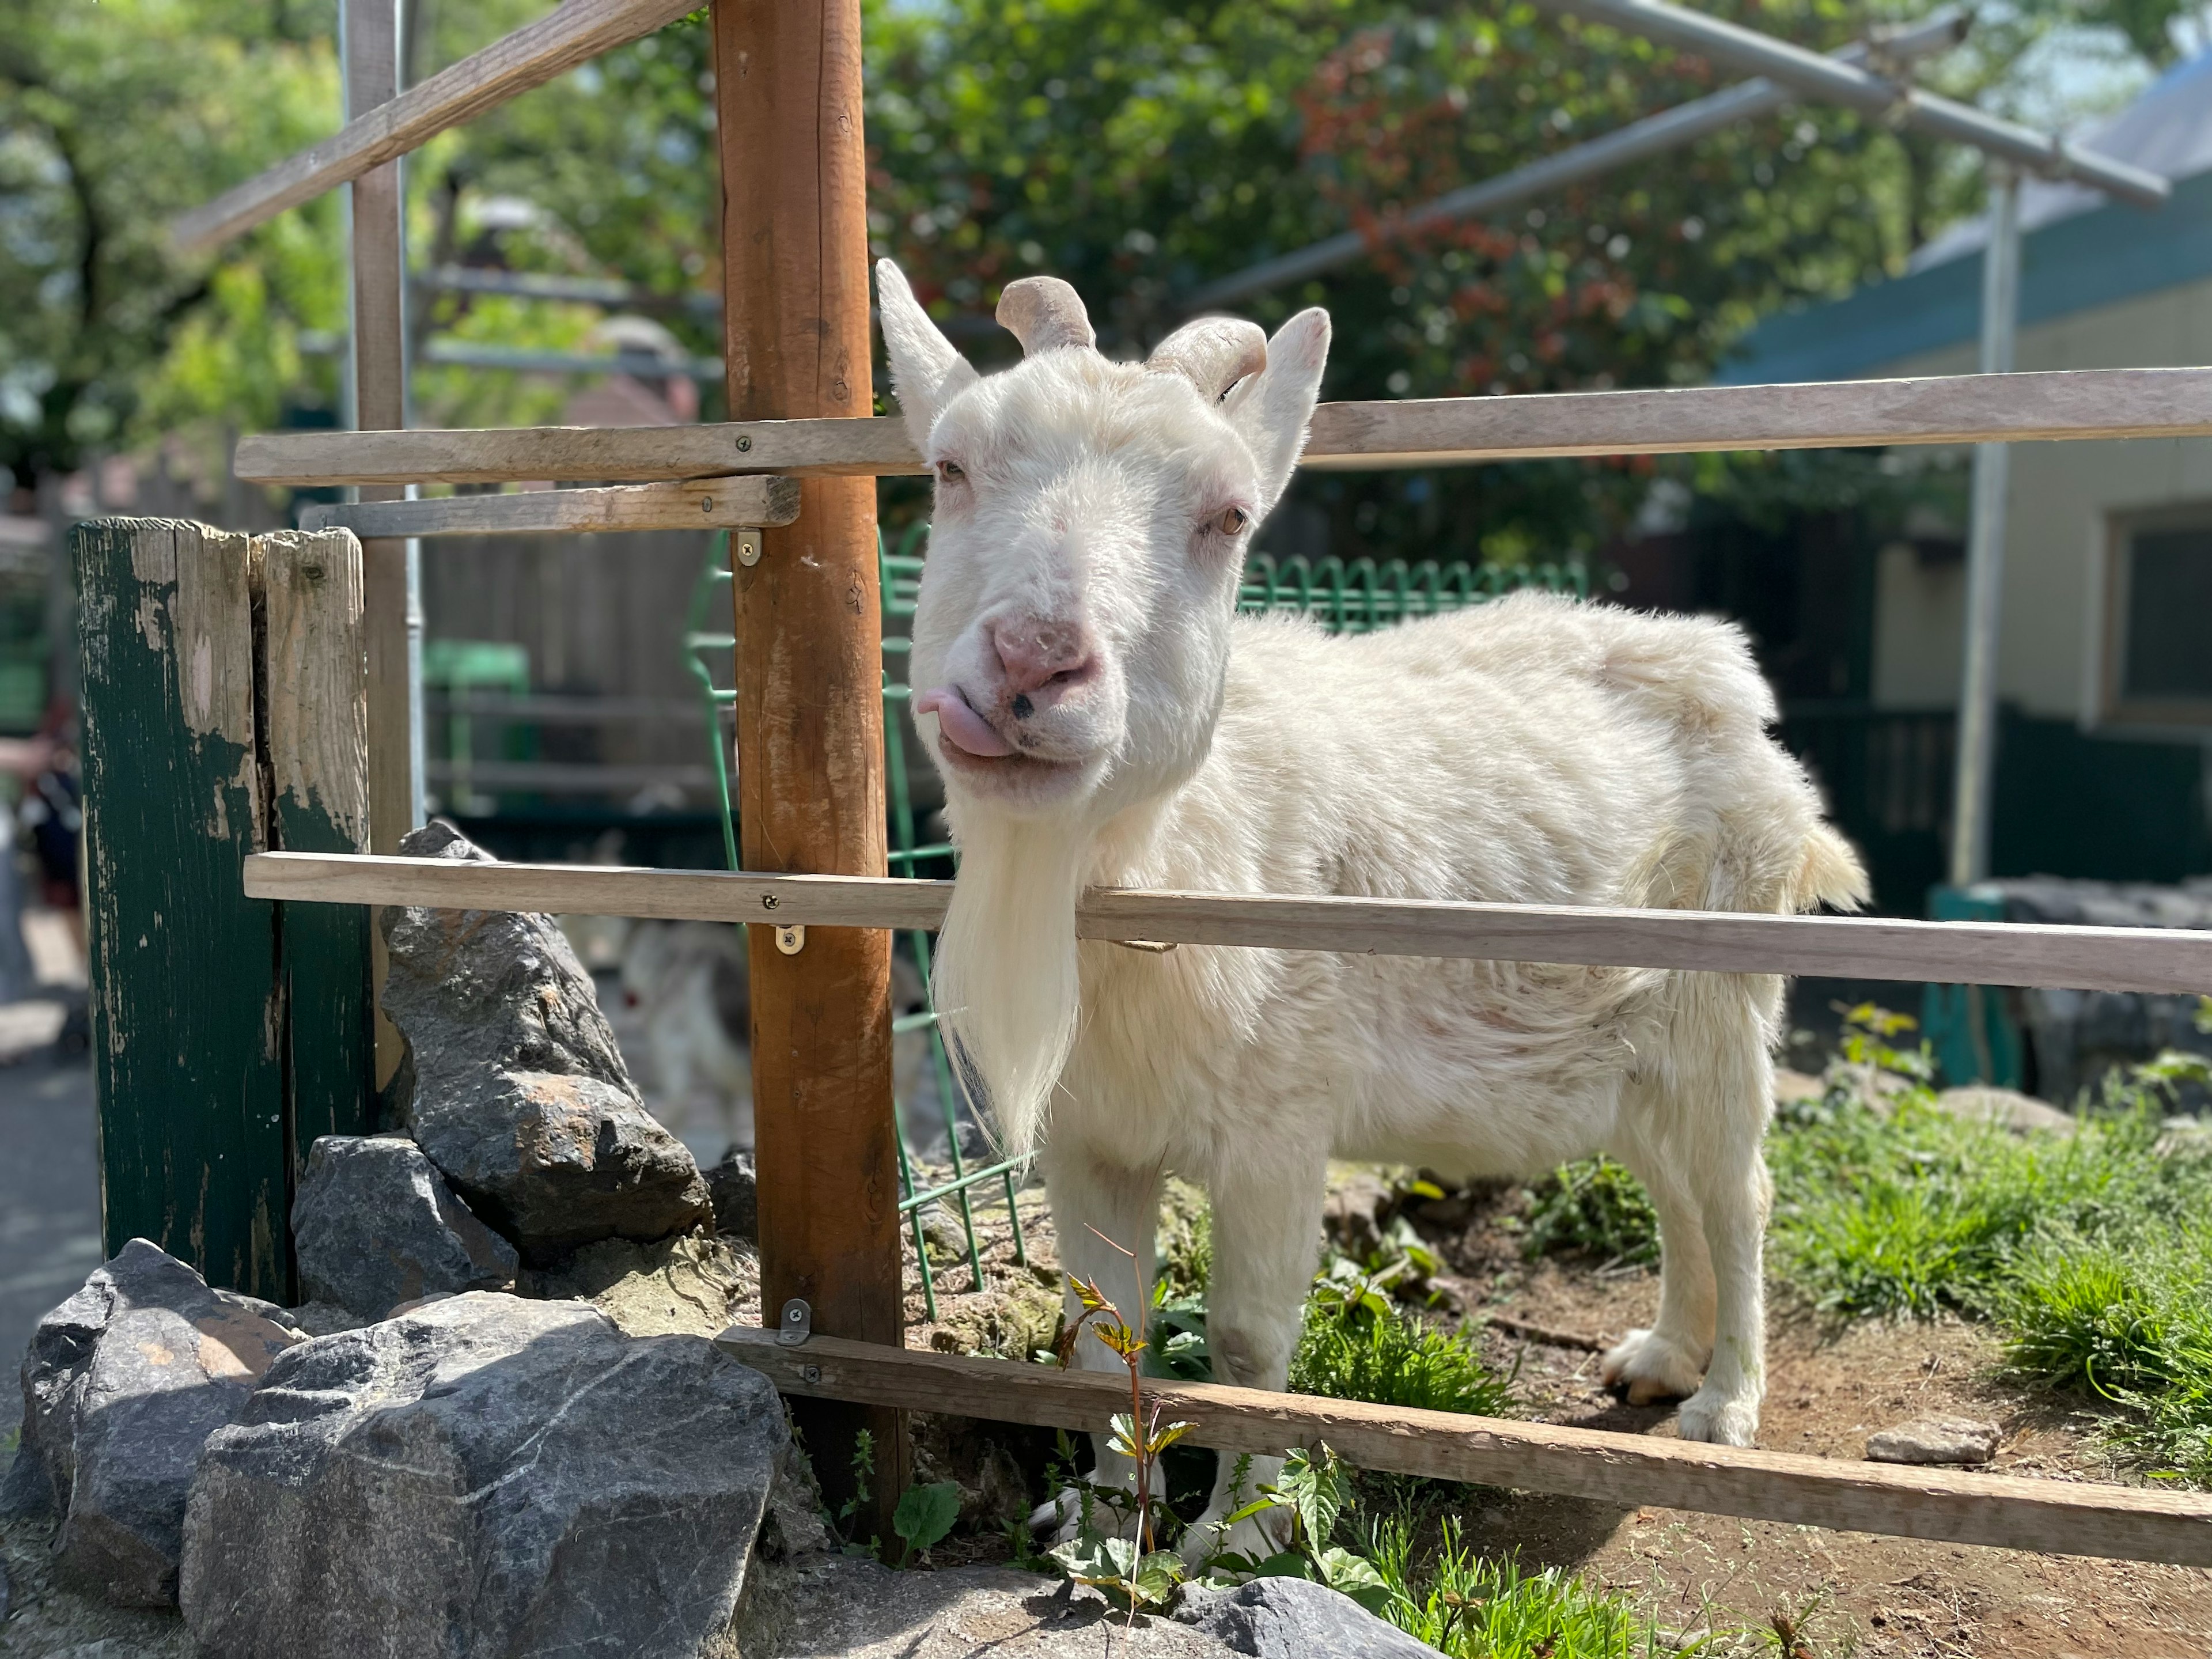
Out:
{"x": 1072, "y": 640}
{"x": 1090, "y": 527}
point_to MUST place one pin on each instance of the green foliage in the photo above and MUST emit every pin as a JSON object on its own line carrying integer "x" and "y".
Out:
{"x": 2128, "y": 1322}
{"x": 1594, "y": 1208}
{"x": 1475, "y": 1608}
{"x": 924, "y": 1516}
{"x": 1392, "y": 1358}
{"x": 112, "y": 117}
{"x": 1913, "y": 1211}
{"x": 1132, "y": 1581}
{"x": 2088, "y": 1250}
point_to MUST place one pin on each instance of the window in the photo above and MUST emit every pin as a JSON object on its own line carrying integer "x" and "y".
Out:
{"x": 2159, "y": 662}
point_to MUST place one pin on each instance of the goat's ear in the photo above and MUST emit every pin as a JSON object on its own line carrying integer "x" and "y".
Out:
{"x": 1270, "y": 409}
{"x": 927, "y": 373}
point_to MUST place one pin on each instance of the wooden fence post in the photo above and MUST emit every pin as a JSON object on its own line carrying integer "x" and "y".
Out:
{"x": 314, "y": 670}
{"x": 810, "y": 709}
{"x": 225, "y": 699}
{"x": 185, "y": 1018}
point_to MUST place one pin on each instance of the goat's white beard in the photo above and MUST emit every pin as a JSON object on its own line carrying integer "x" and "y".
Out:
{"x": 1007, "y": 991}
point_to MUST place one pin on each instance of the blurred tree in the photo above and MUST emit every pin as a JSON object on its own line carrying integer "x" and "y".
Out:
{"x": 113, "y": 117}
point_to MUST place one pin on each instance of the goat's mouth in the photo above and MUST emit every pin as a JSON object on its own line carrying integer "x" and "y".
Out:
{"x": 973, "y": 748}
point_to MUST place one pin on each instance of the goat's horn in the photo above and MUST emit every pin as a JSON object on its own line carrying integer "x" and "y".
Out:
{"x": 1044, "y": 313}
{"x": 1214, "y": 352}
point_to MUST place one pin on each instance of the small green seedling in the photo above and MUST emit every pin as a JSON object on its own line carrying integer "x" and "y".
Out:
{"x": 924, "y": 1516}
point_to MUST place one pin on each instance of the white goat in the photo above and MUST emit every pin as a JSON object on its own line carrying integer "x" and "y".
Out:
{"x": 1100, "y": 714}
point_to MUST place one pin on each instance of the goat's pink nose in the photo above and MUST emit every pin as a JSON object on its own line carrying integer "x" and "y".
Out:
{"x": 1034, "y": 654}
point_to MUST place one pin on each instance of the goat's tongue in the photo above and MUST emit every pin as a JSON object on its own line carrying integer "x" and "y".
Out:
{"x": 963, "y": 726}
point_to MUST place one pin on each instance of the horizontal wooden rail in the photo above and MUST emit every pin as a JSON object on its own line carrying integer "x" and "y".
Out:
{"x": 2119, "y": 403}
{"x": 570, "y": 35}
{"x": 1842, "y": 947}
{"x": 701, "y": 503}
{"x": 2007, "y": 1511}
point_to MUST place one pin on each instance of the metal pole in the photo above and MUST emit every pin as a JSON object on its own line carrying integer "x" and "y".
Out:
{"x": 1654, "y": 135}
{"x": 1977, "y": 692}
{"x": 1856, "y": 88}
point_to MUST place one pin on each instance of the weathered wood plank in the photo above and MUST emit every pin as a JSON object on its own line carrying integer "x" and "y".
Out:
{"x": 2160, "y": 960}
{"x": 696, "y": 504}
{"x": 185, "y": 1065}
{"x": 808, "y": 620}
{"x": 315, "y": 681}
{"x": 2065, "y": 405}
{"x": 568, "y": 35}
{"x": 1941, "y": 1505}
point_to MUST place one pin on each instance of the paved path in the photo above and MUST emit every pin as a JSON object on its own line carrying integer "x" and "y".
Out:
{"x": 49, "y": 1202}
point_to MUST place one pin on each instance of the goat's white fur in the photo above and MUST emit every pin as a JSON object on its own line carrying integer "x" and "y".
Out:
{"x": 1535, "y": 749}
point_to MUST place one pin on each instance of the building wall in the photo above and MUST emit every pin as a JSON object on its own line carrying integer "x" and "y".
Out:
{"x": 2050, "y": 659}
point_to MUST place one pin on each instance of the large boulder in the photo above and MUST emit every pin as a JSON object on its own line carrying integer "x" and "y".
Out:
{"x": 375, "y": 1224}
{"x": 520, "y": 1095}
{"x": 833, "y": 1606}
{"x": 484, "y": 1476}
{"x": 122, "y": 1385}
{"x": 1294, "y": 1619}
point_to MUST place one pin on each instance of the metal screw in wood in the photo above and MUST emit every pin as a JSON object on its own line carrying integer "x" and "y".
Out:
{"x": 791, "y": 940}
{"x": 749, "y": 548}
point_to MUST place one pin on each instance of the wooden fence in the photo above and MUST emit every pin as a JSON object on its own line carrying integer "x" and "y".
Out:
{"x": 824, "y": 1227}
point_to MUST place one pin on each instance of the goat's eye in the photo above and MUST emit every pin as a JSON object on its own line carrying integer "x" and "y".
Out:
{"x": 950, "y": 472}
{"x": 1232, "y": 521}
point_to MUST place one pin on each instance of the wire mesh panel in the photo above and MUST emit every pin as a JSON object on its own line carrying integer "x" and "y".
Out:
{"x": 1354, "y": 597}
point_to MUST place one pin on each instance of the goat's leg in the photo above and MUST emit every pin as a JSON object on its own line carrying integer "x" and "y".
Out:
{"x": 1266, "y": 1237}
{"x": 1668, "y": 1361}
{"x": 1734, "y": 1196}
{"x": 1092, "y": 1196}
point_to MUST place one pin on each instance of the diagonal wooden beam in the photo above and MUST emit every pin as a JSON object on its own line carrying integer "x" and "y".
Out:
{"x": 1961, "y": 408}
{"x": 1942, "y": 1505}
{"x": 2153, "y": 959}
{"x": 568, "y": 35}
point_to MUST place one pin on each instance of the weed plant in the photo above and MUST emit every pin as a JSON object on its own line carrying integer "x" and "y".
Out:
{"x": 1395, "y": 1359}
{"x": 1593, "y": 1208}
{"x": 1472, "y": 1607}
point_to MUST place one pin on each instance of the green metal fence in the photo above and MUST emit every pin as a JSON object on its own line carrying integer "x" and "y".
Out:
{"x": 1355, "y": 598}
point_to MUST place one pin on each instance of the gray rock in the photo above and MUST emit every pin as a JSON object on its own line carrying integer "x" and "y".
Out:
{"x": 520, "y": 1095}
{"x": 735, "y": 1191}
{"x": 1296, "y": 1618}
{"x": 834, "y": 1605}
{"x": 484, "y": 1476}
{"x": 123, "y": 1384}
{"x": 2007, "y": 1109}
{"x": 374, "y": 1224}
{"x": 1936, "y": 1440}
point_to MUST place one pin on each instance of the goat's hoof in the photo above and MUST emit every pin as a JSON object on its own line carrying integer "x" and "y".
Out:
{"x": 1255, "y": 1537}
{"x": 1649, "y": 1367}
{"x": 1718, "y": 1420}
{"x": 1061, "y": 1520}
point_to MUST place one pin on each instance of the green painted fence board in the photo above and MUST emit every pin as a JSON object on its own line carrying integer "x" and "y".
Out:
{"x": 315, "y": 692}
{"x": 185, "y": 1018}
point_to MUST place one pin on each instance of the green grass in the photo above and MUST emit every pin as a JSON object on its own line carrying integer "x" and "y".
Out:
{"x": 1474, "y": 1607}
{"x": 2087, "y": 1251}
{"x": 1395, "y": 1359}
{"x": 2128, "y": 1321}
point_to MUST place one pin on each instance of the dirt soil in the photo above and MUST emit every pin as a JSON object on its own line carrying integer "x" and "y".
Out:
{"x": 1828, "y": 1390}
{"x": 1835, "y": 1594}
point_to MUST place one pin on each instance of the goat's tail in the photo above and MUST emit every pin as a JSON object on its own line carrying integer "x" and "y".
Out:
{"x": 1830, "y": 874}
